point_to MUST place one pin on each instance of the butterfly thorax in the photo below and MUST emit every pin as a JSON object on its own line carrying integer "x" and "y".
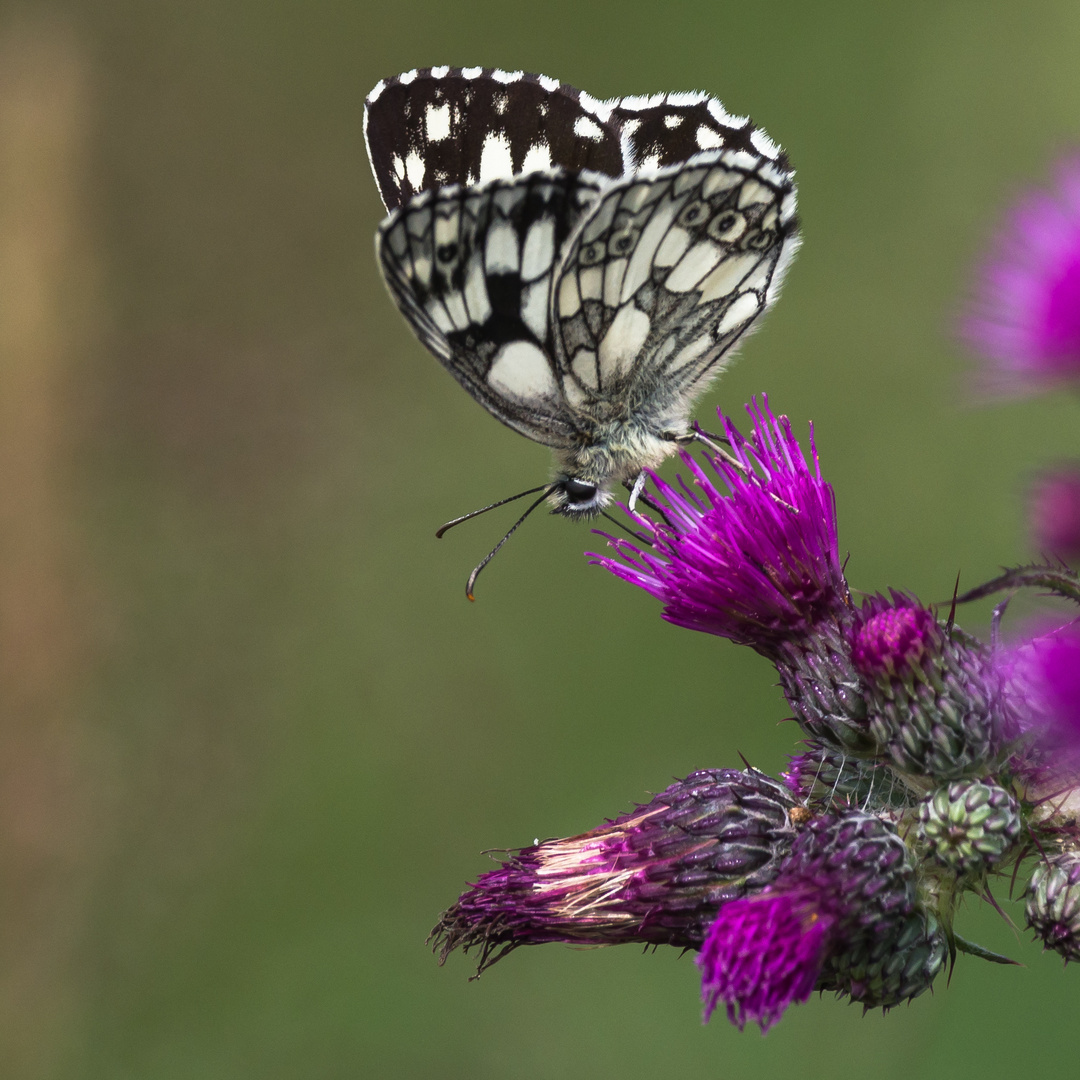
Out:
{"x": 619, "y": 450}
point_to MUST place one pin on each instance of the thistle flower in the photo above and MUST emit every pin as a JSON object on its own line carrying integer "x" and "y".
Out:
{"x": 656, "y": 875}
{"x": 842, "y": 915}
{"x": 759, "y": 564}
{"x": 1025, "y": 318}
{"x": 931, "y": 691}
{"x": 1054, "y": 508}
{"x": 1042, "y": 681}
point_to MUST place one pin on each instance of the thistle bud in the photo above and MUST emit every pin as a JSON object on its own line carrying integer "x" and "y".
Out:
{"x": 931, "y": 694}
{"x": 1053, "y": 904}
{"x": 969, "y": 825}
{"x": 657, "y": 875}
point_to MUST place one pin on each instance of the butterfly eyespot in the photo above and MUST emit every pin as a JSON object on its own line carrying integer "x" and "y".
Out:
{"x": 760, "y": 240}
{"x": 593, "y": 253}
{"x": 693, "y": 214}
{"x": 728, "y": 225}
{"x": 578, "y": 492}
{"x": 622, "y": 243}
{"x": 445, "y": 253}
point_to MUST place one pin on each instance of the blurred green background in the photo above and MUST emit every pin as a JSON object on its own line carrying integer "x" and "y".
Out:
{"x": 253, "y": 737}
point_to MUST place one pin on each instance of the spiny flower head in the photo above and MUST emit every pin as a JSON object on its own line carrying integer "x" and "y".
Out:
{"x": 931, "y": 691}
{"x": 843, "y": 915}
{"x": 757, "y": 563}
{"x": 1025, "y": 318}
{"x": 656, "y": 875}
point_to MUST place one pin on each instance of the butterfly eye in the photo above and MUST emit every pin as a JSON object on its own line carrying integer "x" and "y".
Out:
{"x": 593, "y": 253}
{"x": 446, "y": 253}
{"x": 728, "y": 225}
{"x": 693, "y": 214}
{"x": 578, "y": 492}
{"x": 760, "y": 240}
{"x": 622, "y": 242}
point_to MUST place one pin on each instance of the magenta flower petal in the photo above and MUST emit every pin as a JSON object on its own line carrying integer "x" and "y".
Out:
{"x": 1025, "y": 316}
{"x": 756, "y": 564}
{"x": 762, "y": 955}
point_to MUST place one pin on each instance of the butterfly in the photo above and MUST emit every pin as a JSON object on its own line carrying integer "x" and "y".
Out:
{"x": 583, "y": 268}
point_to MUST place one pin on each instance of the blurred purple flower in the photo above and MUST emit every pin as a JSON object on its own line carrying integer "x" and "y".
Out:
{"x": 1025, "y": 316}
{"x": 757, "y": 565}
{"x": 1055, "y": 512}
{"x": 1042, "y": 680}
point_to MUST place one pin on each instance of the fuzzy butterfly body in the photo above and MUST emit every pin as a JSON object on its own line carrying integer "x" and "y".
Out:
{"x": 582, "y": 268}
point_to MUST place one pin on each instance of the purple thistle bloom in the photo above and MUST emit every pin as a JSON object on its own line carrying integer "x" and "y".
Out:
{"x": 757, "y": 565}
{"x": 1055, "y": 512}
{"x": 763, "y": 955}
{"x": 1025, "y": 318}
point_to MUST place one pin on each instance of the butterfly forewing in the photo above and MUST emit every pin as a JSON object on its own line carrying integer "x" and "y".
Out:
{"x": 439, "y": 126}
{"x": 471, "y": 268}
{"x": 667, "y": 129}
{"x": 668, "y": 270}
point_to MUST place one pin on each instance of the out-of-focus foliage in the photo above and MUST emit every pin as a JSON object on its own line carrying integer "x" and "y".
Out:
{"x": 253, "y": 736}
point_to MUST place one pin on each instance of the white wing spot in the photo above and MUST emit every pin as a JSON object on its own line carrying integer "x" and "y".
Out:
{"x": 539, "y": 249}
{"x": 623, "y": 341}
{"x": 537, "y": 158}
{"x": 521, "y": 370}
{"x": 763, "y": 144}
{"x": 495, "y": 159}
{"x": 548, "y": 83}
{"x": 398, "y": 166}
{"x": 437, "y": 122}
{"x": 407, "y": 77}
{"x": 414, "y": 170}
{"x": 753, "y": 192}
{"x": 440, "y": 72}
{"x": 741, "y": 311}
{"x": 534, "y": 307}
{"x": 569, "y": 297}
{"x": 671, "y": 122}
{"x": 587, "y": 128}
{"x": 672, "y": 249}
{"x": 727, "y": 277}
{"x": 584, "y": 367}
{"x": 501, "y": 251}
{"x": 476, "y": 294}
{"x": 720, "y": 180}
{"x": 506, "y": 76}
{"x": 472, "y": 73}
{"x": 707, "y": 138}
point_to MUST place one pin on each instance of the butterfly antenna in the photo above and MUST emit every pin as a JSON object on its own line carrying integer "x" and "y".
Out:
{"x": 484, "y": 509}
{"x": 513, "y": 529}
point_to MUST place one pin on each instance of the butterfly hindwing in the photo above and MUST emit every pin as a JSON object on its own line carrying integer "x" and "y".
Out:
{"x": 471, "y": 269}
{"x": 439, "y": 126}
{"x": 669, "y": 269}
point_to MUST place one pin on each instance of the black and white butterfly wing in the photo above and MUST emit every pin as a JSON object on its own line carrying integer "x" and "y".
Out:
{"x": 665, "y": 274}
{"x": 439, "y": 126}
{"x": 471, "y": 269}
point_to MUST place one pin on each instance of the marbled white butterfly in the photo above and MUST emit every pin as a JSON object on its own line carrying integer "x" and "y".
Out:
{"x": 581, "y": 267}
